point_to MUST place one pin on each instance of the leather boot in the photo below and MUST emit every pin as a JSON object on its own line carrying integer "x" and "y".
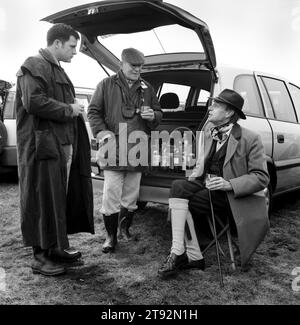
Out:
{"x": 41, "y": 264}
{"x": 111, "y": 226}
{"x": 125, "y": 221}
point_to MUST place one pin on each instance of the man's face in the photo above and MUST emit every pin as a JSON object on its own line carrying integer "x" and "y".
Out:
{"x": 131, "y": 71}
{"x": 218, "y": 113}
{"x": 67, "y": 50}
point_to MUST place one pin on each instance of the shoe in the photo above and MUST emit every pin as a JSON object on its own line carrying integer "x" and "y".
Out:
{"x": 172, "y": 264}
{"x": 44, "y": 266}
{"x": 68, "y": 255}
{"x": 197, "y": 264}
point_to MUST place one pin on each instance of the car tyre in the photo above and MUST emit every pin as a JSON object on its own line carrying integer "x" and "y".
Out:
{"x": 3, "y": 136}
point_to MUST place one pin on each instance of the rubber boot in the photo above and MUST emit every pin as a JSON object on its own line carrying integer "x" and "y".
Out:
{"x": 125, "y": 221}
{"x": 111, "y": 226}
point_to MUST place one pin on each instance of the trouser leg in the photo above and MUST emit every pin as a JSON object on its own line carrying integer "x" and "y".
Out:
{"x": 68, "y": 150}
{"x": 112, "y": 191}
{"x": 199, "y": 206}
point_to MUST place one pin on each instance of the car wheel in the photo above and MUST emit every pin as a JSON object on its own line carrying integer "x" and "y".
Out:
{"x": 3, "y": 136}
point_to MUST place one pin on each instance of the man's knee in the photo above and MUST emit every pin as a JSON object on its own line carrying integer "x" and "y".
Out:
{"x": 177, "y": 188}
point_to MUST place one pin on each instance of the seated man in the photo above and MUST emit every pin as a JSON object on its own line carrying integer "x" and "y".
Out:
{"x": 234, "y": 158}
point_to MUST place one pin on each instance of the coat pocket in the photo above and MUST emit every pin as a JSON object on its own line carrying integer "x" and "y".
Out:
{"x": 46, "y": 145}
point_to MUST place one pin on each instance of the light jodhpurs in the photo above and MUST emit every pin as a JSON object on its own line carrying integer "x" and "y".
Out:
{"x": 121, "y": 189}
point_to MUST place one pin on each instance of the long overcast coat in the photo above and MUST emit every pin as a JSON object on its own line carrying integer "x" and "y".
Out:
{"x": 246, "y": 168}
{"x": 48, "y": 214}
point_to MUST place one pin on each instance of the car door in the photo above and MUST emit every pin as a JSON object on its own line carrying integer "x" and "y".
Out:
{"x": 286, "y": 131}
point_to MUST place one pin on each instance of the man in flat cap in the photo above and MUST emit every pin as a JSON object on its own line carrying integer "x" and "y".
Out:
{"x": 122, "y": 99}
{"x": 234, "y": 158}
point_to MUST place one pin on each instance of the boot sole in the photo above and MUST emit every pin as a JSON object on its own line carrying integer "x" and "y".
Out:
{"x": 65, "y": 260}
{"x": 171, "y": 273}
{"x": 108, "y": 250}
{"x": 37, "y": 271}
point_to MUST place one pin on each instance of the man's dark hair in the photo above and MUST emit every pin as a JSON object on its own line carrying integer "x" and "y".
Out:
{"x": 61, "y": 32}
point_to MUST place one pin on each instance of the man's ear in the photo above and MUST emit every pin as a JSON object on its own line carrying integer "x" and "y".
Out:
{"x": 229, "y": 113}
{"x": 57, "y": 43}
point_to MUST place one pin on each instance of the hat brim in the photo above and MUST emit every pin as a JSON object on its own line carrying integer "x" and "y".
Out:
{"x": 238, "y": 110}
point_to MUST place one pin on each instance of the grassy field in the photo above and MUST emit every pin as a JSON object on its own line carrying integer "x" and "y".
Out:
{"x": 129, "y": 277}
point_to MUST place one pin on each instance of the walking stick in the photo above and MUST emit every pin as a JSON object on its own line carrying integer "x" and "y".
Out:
{"x": 216, "y": 239}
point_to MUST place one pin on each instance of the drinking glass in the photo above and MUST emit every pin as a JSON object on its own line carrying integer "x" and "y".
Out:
{"x": 145, "y": 109}
{"x": 208, "y": 178}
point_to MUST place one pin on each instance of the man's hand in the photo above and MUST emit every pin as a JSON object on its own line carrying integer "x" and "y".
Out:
{"x": 77, "y": 109}
{"x": 218, "y": 183}
{"x": 148, "y": 115}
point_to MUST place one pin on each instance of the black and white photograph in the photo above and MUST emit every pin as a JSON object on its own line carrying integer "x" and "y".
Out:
{"x": 149, "y": 155}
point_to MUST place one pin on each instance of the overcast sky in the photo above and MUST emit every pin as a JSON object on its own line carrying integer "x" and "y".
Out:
{"x": 263, "y": 35}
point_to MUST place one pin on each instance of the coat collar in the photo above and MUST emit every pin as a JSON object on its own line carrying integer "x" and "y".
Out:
{"x": 233, "y": 141}
{"x": 121, "y": 80}
{"x": 48, "y": 56}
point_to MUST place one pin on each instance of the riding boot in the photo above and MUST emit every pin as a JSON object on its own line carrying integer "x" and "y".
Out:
{"x": 41, "y": 263}
{"x": 111, "y": 226}
{"x": 125, "y": 221}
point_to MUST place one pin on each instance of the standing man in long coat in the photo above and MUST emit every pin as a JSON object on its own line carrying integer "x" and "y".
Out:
{"x": 53, "y": 148}
{"x": 235, "y": 157}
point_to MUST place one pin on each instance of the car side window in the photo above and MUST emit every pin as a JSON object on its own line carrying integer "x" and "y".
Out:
{"x": 246, "y": 86}
{"x": 281, "y": 101}
{"x": 295, "y": 93}
{"x": 266, "y": 99}
{"x": 203, "y": 97}
{"x": 9, "y": 112}
{"x": 182, "y": 92}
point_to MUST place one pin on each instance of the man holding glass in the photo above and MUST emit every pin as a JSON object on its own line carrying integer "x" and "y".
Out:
{"x": 122, "y": 104}
{"x": 232, "y": 166}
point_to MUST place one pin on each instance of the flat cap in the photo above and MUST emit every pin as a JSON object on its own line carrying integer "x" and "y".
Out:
{"x": 133, "y": 56}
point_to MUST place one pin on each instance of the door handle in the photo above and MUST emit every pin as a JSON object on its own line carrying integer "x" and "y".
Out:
{"x": 280, "y": 138}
